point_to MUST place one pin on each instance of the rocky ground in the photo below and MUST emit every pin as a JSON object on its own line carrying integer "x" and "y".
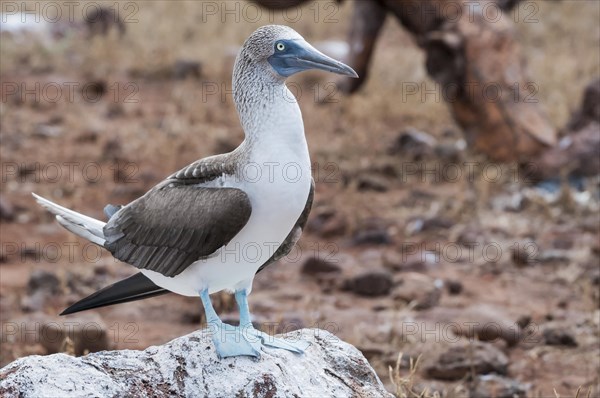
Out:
{"x": 415, "y": 245}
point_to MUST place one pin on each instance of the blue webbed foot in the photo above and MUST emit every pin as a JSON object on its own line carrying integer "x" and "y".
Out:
{"x": 233, "y": 341}
{"x": 243, "y": 340}
{"x": 295, "y": 346}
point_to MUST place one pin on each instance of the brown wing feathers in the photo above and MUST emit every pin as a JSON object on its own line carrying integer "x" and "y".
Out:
{"x": 173, "y": 226}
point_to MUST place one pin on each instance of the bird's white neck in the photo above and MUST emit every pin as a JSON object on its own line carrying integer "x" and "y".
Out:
{"x": 268, "y": 111}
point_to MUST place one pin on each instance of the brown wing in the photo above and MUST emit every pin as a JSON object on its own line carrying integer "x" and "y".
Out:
{"x": 174, "y": 225}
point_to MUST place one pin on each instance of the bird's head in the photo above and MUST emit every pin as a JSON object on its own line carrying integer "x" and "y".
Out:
{"x": 283, "y": 52}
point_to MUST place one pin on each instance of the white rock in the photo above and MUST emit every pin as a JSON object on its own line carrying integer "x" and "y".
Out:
{"x": 188, "y": 366}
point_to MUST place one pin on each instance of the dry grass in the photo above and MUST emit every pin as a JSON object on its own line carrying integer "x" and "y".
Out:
{"x": 578, "y": 394}
{"x": 404, "y": 385}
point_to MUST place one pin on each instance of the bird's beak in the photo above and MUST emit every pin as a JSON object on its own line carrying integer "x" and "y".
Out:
{"x": 308, "y": 57}
{"x": 301, "y": 56}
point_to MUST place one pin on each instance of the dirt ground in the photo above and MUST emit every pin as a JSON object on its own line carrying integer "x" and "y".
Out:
{"x": 427, "y": 251}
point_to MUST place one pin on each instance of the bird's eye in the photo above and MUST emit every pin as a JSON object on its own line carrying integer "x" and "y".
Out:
{"x": 280, "y": 46}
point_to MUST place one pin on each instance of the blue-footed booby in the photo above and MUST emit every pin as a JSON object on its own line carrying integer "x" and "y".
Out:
{"x": 214, "y": 224}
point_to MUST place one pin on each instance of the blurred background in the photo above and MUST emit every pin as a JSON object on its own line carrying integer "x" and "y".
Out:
{"x": 420, "y": 240}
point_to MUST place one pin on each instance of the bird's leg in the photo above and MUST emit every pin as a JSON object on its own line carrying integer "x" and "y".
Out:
{"x": 241, "y": 297}
{"x": 297, "y": 346}
{"x": 229, "y": 341}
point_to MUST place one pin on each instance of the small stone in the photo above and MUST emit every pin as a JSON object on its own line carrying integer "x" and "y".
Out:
{"x": 418, "y": 290}
{"x": 403, "y": 262}
{"x": 192, "y": 317}
{"x": 7, "y": 210}
{"x": 482, "y": 322}
{"x": 523, "y": 321}
{"x": 94, "y": 90}
{"x": 454, "y": 287}
{"x": 523, "y": 255}
{"x": 471, "y": 237}
{"x": 101, "y": 20}
{"x": 372, "y": 284}
{"x": 47, "y": 131}
{"x": 114, "y": 111}
{"x": 495, "y": 386}
{"x": 437, "y": 223}
{"x": 459, "y": 361}
{"x": 327, "y": 222}
{"x": 31, "y": 253}
{"x": 595, "y": 276}
{"x": 185, "y": 68}
{"x": 589, "y": 111}
{"x": 559, "y": 337}
{"x": 371, "y": 236}
{"x": 112, "y": 150}
{"x": 43, "y": 280}
{"x": 450, "y": 153}
{"x": 372, "y": 183}
{"x": 34, "y": 302}
{"x": 89, "y": 136}
{"x": 316, "y": 265}
{"x": 26, "y": 170}
{"x": 413, "y": 143}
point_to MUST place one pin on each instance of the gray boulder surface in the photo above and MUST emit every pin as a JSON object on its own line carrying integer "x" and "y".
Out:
{"x": 188, "y": 366}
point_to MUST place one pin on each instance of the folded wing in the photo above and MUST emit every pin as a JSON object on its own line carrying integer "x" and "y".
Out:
{"x": 174, "y": 225}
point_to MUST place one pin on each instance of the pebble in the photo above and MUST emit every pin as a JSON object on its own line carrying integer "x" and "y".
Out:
{"x": 559, "y": 337}
{"x": 316, "y": 265}
{"x": 418, "y": 290}
{"x": 458, "y": 361}
{"x": 7, "y": 210}
{"x": 185, "y": 68}
{"x": 43, "y": 280}
{"x": 482, "y": 322}
{"x": 371, "y": 284}
{"x": 524, "y": 254}
{"x": 487, "y": 386}
{"x": 396, "y": 261}
{"x": 371, "y": 237}
{"x": 454, "y": 287}
{"x": 413, "y": 143}
{"x": 372, "y": 183}
{"x": 327, "y": 222}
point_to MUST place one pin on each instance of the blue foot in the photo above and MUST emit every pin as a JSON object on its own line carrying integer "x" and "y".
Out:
{"x": 233, "y": 341}
{"x": 295, "y": 346}
{"x": 243, "y": 340}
